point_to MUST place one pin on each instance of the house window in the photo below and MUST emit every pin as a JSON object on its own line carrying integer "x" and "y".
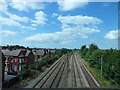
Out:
{"x": 15, "y": 67}
{"x": 20, "y": 67}
{"x": 15, "y": 60}
{"x": 20, "y": 60}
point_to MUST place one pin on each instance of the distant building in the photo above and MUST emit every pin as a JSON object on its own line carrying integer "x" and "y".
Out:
{"x": 35, "y": 55}
{"x": 51, "y": 52}
{"x": 40, "y": 53}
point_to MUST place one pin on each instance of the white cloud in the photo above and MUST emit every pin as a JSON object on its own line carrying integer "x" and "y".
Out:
{"x": 40, "y": 18}
{"x": 3, "y": 5}
{"x": 79, "y": 20}
{"x": 12, "y": 19}
{"x": 26, "y": 5}
{"x": 57, "y": 37}
{"x": 16, "y": 20}
{"x": 10, "y": 22}
{"x": 7, "y": 33}
{"x": 54, "y": 15}
{"x": 67, "y": 5}
{"x": 16, "y": 17}
{"x": 34, "y": 25}
{"x": 73, "y": 27}
{"x": 80, "y": 24}
{"x": 19, "y": 19}
{"x": 112, "y": 34}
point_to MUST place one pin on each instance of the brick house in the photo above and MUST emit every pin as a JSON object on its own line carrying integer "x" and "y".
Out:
{"x": 16, "y": 60}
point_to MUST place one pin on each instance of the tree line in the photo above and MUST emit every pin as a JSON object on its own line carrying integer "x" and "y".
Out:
{"x": 107, "y": 60}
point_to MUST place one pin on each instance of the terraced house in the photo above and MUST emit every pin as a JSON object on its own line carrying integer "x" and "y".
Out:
{"x": 16, "y": 60}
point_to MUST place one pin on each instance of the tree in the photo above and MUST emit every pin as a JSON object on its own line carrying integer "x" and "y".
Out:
{"x": 110, "y": 61}
{"x": 92, "y": 47}
{"x": 84, "y": 52}
{"x": 95, "y": 59}
{"x": 64, "y": 50}
{"x": 82, "y": 48}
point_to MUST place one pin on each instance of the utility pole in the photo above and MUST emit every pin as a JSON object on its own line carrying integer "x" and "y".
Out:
{"x": 101, "y": 65}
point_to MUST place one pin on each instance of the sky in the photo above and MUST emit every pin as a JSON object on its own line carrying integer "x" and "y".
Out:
{"x": 59, "y": 24}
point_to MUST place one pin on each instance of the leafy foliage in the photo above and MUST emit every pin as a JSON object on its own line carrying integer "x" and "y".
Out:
{"x": 110, "y": 59}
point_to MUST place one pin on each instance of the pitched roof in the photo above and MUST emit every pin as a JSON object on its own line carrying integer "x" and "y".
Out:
{"x": 53, "y": 51}
{"x": 34, "y": 52}
{"x": 6, "y": 52}
{"x": 14, "y": 52}
{"x": 17, "y": 52}
{"x": 27, "y": 53}
{"x": 40, "y": 52}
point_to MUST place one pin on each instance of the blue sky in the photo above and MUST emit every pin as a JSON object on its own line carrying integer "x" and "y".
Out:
{"x": 59, "y": 24}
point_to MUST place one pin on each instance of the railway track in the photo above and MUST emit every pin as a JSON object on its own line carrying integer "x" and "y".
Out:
{"x": 89, "y": 77}
{"x": 51, "y": 73}
{"x": 67, "y": 73}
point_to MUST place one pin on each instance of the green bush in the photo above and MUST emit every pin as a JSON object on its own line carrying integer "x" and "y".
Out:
{"x": 110, "y": 59}
{"x": 44, "y": 62}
